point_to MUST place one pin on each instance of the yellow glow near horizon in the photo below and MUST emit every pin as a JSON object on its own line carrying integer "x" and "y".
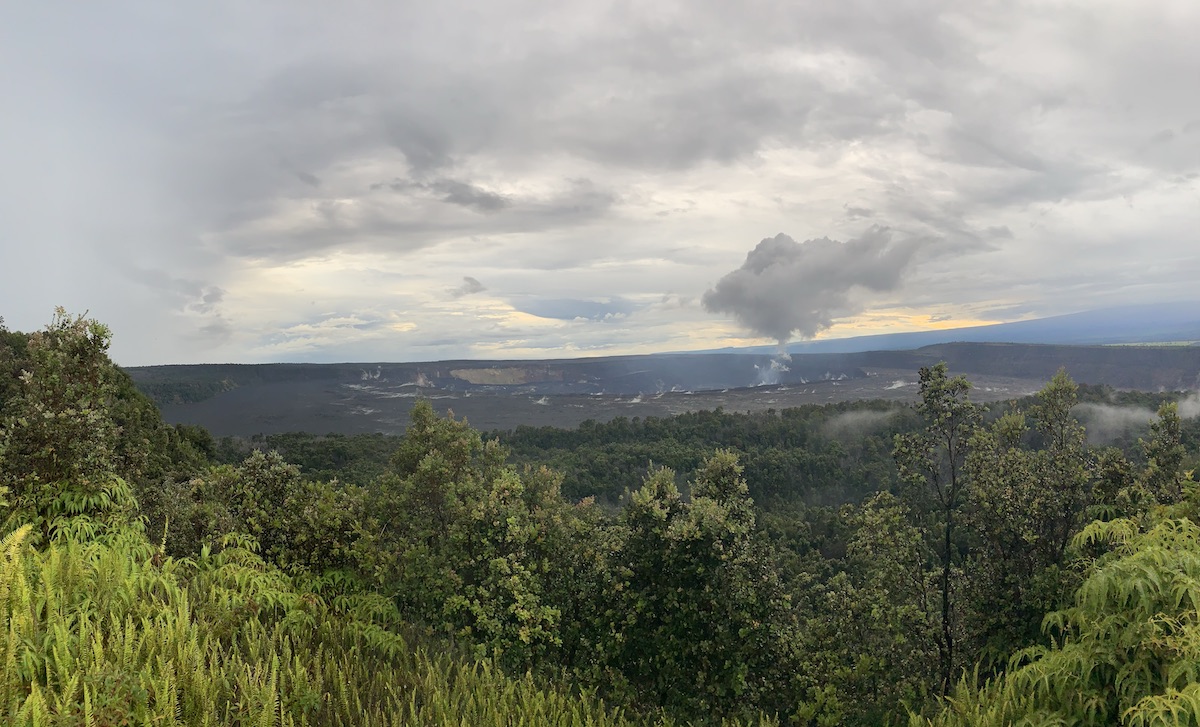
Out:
{"x": 869, "y": 324}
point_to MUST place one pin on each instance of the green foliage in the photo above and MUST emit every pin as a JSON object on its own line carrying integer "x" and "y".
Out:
{"x": 97, "y": 626}
{"x": 501, "y": 604}
{"x": 815, "y": 454}
{"x": 108, "y": 634}
{"x": 357, "y": 459}
{"x": 871, "y": 642}
{"x": 446, "y": 584}
{"x": 77, "y": 438}
{"x": 163, "y": 392}
{"x": 452, "y": 537}
{"x": 300, "y": 524}
{"x": 701, "y": 623}
{"x": 1164, "y": 455}
{"x": 59, "y": 440}
{"x": 1127, "y": 652}
{"x": 1025, "y": 504}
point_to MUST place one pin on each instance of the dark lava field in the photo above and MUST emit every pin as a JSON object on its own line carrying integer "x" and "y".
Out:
{"x": 379, "y": 406}
{"x": 355, "y": 398}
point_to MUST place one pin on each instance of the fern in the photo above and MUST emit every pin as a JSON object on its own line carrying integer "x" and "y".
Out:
{"x": 1129, "y": 650}
{"x": 95, "y": 633}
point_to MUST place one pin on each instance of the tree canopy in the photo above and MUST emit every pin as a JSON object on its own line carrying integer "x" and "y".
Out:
{"x": 940, "y": 564}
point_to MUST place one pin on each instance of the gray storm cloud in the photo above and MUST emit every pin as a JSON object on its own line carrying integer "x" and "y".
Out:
{"x": 1036, "y": 142}
{"x": 469, "y": 286}
{"x": 787, "y": 288}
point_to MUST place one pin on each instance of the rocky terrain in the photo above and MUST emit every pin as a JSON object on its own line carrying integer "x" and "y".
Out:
{"x": 350, "y": 398}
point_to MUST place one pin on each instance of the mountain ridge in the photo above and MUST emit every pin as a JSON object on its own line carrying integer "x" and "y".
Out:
{"x": 1141, "y": 323}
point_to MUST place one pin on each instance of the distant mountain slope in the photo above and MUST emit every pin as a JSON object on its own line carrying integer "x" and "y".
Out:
{"x": 1147, "y": 368}
{"x": 1153, "y": 323}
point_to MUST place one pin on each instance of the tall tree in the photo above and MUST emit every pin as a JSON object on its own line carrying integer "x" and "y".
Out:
{"x": 932, "y": 462}
{"x": 1164, "y": 455}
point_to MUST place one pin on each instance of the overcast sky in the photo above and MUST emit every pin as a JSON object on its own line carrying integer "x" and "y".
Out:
{"x": 380, "y": 180}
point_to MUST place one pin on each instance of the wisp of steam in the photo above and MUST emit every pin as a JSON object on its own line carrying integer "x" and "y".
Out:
{"x": 772, "y": 373}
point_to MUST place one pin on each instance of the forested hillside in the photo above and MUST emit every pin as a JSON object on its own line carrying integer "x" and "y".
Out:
{"x": 854, "y": 564}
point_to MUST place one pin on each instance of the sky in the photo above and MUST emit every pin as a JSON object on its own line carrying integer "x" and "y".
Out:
{"x": 371, "y": 180}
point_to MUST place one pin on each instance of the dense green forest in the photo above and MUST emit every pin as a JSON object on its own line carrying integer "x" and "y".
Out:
{"x": 853, "y": 564}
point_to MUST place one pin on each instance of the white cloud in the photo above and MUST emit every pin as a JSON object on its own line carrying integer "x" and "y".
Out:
{"x": 363, "y": 161}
